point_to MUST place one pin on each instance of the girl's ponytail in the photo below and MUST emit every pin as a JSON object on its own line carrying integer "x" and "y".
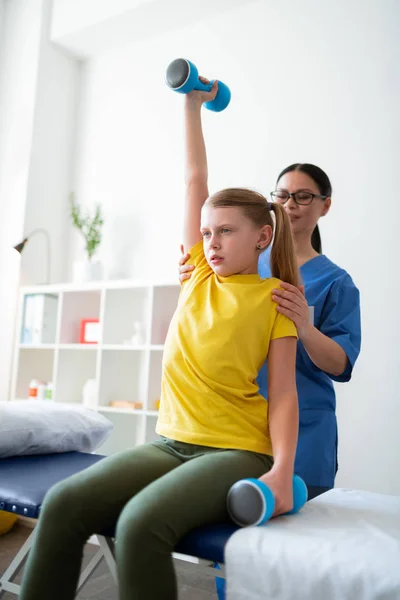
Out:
{"x": 256, "y": 208}
{"x": 283, "y": 259}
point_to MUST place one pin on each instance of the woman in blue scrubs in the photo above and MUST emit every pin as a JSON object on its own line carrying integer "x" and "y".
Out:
{"x": 326, "y": 312}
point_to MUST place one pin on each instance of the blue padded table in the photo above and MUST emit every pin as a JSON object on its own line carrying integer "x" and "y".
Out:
{"x": 24, "y": 481}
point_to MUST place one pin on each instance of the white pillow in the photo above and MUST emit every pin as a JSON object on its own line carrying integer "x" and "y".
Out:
{"x": 44, "y": 427}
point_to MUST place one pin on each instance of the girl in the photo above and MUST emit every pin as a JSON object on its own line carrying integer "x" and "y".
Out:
{"x": 326, "y": 312}
{"x": 215, "y": 427}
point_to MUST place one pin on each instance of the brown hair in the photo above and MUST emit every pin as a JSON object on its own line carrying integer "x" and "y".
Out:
{"x": 321, "y": 180}
{"x": 256, "y": 208}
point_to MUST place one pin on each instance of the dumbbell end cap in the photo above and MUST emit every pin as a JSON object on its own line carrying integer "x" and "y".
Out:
{"x": 177, "y": 73}
{"x": 300, "y": 494}
{"x": 246, "y": 503}
{"x": 221, "y": 100}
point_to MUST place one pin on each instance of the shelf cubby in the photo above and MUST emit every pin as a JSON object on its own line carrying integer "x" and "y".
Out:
{"x": 122, "y": 377}
{"x": 76, "y": 306}
{"x": 33, "y": 363}
{"x": 126, "y": 316}
{"x": 74, "y": 368}
{"x": 127, "y": 433}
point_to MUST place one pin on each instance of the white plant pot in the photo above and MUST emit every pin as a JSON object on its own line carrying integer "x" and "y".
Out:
{"x": 87, "y": 270}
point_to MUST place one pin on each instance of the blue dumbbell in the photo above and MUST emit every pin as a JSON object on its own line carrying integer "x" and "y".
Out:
{"x": 182, "y": 76}
{"x": 251, "y": 502}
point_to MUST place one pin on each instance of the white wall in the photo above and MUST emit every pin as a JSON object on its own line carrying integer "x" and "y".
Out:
{"x": 39, "y": 86}
{"x": 18, "y": 73}
{"x": 1, "y": 30}
{"x": 86, "y": 27}
{"x": 70, "y": 16}
{"x": 51, "y": 161}
{"x": 310, "y": 81}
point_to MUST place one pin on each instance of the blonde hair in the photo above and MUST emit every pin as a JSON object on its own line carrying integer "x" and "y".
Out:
{"x": 256, "y": 208}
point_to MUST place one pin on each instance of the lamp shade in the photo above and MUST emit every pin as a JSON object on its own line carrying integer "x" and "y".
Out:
{"x": 19, "y": 247}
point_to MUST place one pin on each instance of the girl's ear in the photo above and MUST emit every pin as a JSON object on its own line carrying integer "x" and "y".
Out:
{"x": 265, "y": 237}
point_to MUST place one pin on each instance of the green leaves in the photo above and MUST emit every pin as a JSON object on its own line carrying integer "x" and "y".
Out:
{"x": 89, "y": 226}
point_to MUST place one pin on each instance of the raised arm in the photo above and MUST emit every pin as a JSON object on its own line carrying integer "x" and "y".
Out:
{"x": 196, "y": 171}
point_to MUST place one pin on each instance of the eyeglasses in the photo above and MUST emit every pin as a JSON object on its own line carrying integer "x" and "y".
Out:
{"x": 302, "y": 198}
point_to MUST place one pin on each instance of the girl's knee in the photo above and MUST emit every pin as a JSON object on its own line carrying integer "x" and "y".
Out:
{"x": 60, "y": 501}
{"x": 138, "y": 524}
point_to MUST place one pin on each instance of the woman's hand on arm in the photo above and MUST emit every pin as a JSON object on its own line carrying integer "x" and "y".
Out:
{"x": 196, "y": 170}
{"x": 283, "y": 419}
{"x": 325, "y": 353}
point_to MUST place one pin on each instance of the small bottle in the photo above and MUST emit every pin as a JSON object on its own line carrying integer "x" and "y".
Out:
{"x": 33, "y": 389}
{"x": 41, "y": 390}
{"x": 49, "y": 391}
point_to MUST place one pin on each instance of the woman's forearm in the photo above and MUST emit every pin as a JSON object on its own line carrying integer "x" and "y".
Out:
{"x": 325, "y": 353}
{"x": 195, "y": 150}
{"x": 283, "y": 419}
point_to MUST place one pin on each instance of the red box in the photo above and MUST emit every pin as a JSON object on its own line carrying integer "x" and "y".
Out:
{"x": 89, "y": 331}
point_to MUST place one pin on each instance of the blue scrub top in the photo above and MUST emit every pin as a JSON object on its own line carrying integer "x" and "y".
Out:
{"x": 334, "y": 303}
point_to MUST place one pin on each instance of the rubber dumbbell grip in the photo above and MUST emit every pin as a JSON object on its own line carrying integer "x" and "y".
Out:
{"x": 203, "y": 87}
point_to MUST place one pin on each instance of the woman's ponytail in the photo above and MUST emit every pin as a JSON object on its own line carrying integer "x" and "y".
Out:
{"x": 283, "y": 258}
{"x": 316, "y": 240}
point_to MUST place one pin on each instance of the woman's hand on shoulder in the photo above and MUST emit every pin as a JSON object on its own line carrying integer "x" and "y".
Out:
{"x": 281, "y": 485}
{"x": 293, "y": 304}
{"x": 185, "y": 271}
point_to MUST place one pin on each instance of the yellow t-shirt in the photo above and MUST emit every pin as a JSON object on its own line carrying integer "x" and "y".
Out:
{"x": 217, "y": 342}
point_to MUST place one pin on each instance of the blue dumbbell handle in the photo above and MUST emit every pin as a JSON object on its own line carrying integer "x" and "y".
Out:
{"x": 203, "y": 87}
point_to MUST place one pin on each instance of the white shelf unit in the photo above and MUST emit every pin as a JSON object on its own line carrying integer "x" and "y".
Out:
{"x": 122, "y": 370}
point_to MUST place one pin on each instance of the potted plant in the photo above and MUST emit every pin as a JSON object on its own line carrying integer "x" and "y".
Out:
{"x": 90, "y": 227}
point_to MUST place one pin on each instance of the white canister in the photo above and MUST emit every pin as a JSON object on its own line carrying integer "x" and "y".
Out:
{"x": 89, "y": 394}
{"x": 87, "y": 270}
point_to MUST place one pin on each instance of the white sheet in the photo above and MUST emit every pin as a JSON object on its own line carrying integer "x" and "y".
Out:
{"x": 343, "y": 545}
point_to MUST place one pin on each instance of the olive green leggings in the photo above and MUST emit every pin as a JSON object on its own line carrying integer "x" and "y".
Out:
{"x": 155, "y": 493}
